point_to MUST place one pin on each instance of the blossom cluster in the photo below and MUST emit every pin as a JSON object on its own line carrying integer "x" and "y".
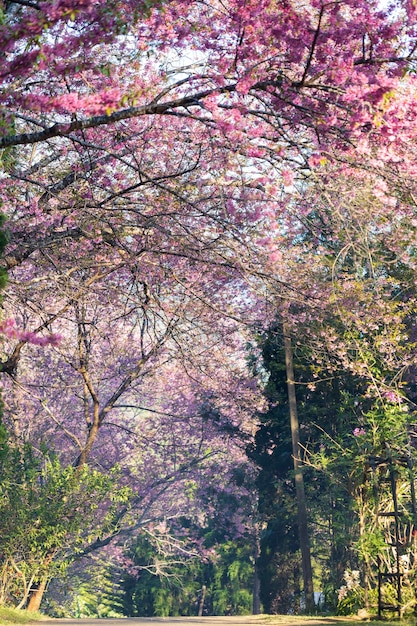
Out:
{"x": 8, "y": 328}
{"x": 357, "y": 432}
{"x": 352, "y": 580}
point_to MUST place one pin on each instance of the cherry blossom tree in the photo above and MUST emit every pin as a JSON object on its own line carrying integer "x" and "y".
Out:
{"x": 149, "y": 152}
{"x": 354, "y": 232}
{"x": 353, "y": 236}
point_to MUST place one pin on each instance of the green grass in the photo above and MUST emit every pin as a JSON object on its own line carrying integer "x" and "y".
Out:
{"x": 318, "y": 620}
{"x": 14, "y": 616}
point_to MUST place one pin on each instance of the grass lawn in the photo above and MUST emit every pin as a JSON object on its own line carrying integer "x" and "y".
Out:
{"x": 13, "y": 616}
{"x": 317, "y": 620}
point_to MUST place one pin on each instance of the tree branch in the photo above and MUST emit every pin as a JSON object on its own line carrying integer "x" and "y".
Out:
{"x": 312, "y": 50}
{"x": 26, "y": 3}
{"x": 63, "y": 129}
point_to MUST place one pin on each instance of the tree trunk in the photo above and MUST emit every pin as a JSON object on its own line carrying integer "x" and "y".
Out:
{"x": 36, "y": 595}
{"x": 202, "y": 599}
{"x": 256, "y": 602}
{"x": 299, "y": 479}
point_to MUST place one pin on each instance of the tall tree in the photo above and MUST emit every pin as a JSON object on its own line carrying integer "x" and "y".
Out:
{"x": 328, "y": 406}
{"x": 298, "y": 474}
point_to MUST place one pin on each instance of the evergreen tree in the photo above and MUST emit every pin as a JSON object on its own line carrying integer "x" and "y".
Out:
{"x": 326, "y": 408}
{"x": 217, "y": 585}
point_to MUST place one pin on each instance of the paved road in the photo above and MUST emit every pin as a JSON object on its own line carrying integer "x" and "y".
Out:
{"x": 241, "y": 620}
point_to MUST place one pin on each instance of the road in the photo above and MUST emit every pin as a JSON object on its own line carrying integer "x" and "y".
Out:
{"x": 241, "y": 620}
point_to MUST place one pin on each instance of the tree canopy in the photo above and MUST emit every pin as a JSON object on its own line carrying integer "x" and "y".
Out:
{"x": 178, "y": 178}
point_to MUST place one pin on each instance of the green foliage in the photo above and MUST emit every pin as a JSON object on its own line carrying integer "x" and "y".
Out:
{"x": 44, "y": 511}
{"x": 174, "y": 591}
{"x": 231, "y": 587}
{"x": 328, "y": 407}
{"x": 371, "y": 544}
{"x": 91, "y": 588}
{"x": 8, "y": 127}
{"x": 227, "y": 580}
{"x": 363, "y": 463}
